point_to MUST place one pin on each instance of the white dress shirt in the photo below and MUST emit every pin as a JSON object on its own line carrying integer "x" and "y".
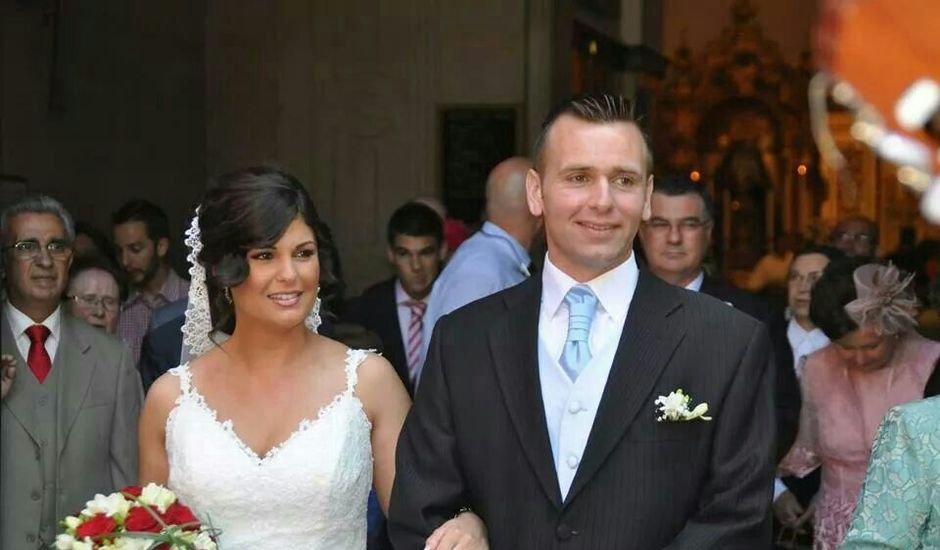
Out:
{"x": 19, "y": 322}
{"x": 570, "y": 407}
{"x": 695, "y": 284}
{"x": 803, "y": 343}
{"x": 404, "y": 314}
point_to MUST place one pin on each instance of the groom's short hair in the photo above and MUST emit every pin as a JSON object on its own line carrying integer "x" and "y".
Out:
{"x": 599, "y": 108}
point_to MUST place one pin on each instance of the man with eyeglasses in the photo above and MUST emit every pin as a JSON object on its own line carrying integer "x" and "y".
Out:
{"x": 675, "y": 241}
{"x": 856, "y": 236}
{"x": 94, "y": 293}
{"x": 68, "y": 422}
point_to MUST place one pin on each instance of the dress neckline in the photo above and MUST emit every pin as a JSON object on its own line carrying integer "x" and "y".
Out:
{"x": 188, "y": 391}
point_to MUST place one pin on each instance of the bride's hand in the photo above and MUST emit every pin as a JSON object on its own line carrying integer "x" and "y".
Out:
{"x": 464, "y": 532}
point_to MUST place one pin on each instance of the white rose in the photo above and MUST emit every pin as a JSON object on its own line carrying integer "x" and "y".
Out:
{"x": 72, "y": 522}
{"x": 155, "y": 495}
{"x": 64, "y": 542}
{"x": 112, "y": 505}
{"x": 87, "y": 544}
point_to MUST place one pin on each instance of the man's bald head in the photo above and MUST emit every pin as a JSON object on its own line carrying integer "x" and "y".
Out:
{"x": 505, "y": 187}
{"x": 506, "y": 204}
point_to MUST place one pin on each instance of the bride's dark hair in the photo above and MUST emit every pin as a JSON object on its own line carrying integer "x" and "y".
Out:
{"x": 246, "y": 209}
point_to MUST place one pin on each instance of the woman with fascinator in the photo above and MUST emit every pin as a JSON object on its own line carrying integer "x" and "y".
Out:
{"x": 876, "y": 361}
{"x": 276, "y": 435}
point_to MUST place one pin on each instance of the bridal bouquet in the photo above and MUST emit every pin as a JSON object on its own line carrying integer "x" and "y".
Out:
{"x": 136, "y": 518}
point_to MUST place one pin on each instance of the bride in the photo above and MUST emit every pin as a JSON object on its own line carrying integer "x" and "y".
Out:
{"x": 275, "y": 436}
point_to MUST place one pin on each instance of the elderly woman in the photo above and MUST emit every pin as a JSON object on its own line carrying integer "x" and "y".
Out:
{"x": 94, "y": 293}
{"x": 876, "y": 361}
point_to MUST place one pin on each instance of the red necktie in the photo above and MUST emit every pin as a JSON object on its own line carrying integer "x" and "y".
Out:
{"x": 38, "y": 359}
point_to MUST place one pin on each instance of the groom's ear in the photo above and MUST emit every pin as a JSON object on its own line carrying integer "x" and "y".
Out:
{"x": 533, "y": 192}
{"x": 648, "y": 207}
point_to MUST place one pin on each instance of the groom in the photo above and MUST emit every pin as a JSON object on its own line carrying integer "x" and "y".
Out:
{"x": 537, "y": 409}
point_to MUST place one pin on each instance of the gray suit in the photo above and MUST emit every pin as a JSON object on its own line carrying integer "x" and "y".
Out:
{"x": 69, "y": 438}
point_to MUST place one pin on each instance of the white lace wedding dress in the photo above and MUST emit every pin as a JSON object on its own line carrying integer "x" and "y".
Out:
{"x": 308, "y": 492}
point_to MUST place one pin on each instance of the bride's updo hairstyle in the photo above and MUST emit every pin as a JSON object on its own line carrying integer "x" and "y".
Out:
{"x": 243, "y": 210}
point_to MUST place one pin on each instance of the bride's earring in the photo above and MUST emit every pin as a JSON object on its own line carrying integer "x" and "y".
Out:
{"x": 313, "y": 320}
{"x": 228, "y": 295}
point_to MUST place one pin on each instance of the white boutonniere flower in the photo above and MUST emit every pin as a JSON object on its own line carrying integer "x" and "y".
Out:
{"x": 675, "y": 408}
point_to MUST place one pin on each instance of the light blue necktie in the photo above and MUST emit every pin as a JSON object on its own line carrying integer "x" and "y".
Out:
{"x": 582, "y": 304}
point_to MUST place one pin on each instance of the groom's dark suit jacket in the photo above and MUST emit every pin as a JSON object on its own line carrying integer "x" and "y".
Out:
{"x": 786, "y": 387}
{"x": 477, "y": 436}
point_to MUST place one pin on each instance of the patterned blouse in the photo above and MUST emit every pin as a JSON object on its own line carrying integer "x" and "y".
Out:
{"x": 900, "y": 502}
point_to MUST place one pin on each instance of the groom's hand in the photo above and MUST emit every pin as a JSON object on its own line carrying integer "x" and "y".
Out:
{"x": 464, "y": 532}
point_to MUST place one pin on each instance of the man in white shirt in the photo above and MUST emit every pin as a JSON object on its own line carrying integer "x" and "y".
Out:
{"x": 539, "y": 406}
{"x": 396, "y": 308}
{"x": 68, "y": 424}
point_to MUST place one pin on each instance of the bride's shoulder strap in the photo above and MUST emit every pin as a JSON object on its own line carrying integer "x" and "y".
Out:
{"x": 182, "y": 372}
{"x": 354, "y": 358}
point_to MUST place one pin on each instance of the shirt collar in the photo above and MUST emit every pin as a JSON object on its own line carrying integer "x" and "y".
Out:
{"x": 19, "y": 321}
{"x": 797, "y": 334}
{"x": 522, "y": 255}
{"x": 610, "y": 287}
{"x": 695, "y": 284}
{"x": 402, "y": 297}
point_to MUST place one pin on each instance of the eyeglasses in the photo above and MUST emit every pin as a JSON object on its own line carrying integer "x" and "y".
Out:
{"x": 90, "y": 300}
{"x": 688, "y": 225}
{"x": 31, "y": 249}
{"x": 842, "y": 236}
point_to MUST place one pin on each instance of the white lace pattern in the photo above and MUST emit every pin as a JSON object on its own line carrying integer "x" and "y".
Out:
{"x": 308, "y": 492}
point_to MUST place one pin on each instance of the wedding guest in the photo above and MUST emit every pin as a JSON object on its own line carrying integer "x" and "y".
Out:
{"x": 68, "y": 425}
{"x": 857, "y": 236}
{"x": 395, "y": 308}
{"x": 876, "y": 361}
{"x": 793, "y": 495}
{"x": 899, "y": 507}
{"x": 142, "y": 238}
{"x": 94, "y": 293}
{"x": 494, "y": 258}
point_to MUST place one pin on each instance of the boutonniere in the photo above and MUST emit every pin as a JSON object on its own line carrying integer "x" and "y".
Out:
{"x": 675, "y": 408}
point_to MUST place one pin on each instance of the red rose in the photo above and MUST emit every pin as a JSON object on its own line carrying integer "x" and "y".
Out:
{"x": 139, "y": 520}
{"x": 164, "y": 546}
{"x": 97, "y": 525}
{"x": 178, "y": 514}
{"x": 134, "y": 490}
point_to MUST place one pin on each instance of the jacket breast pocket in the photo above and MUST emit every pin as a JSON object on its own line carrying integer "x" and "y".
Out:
{"x": 688, "y": 430}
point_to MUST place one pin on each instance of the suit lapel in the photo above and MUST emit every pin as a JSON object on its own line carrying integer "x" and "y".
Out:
{"x": 513, "y": 343}
{"x": 76, "y": 369}
{"x": 20, "y": 400}
{"x": 649, "y": 338}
